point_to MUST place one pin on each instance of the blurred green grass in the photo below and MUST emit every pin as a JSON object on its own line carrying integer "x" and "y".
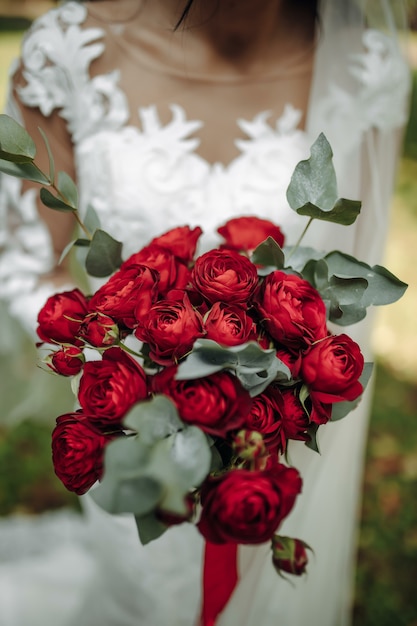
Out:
{"x": 387, "y": 559}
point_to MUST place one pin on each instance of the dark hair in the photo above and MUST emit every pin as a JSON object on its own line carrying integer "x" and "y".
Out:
{"x": 309, "y": 3}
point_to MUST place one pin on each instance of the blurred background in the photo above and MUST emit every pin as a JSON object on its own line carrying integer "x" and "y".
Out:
{"x": 387, "y": 566}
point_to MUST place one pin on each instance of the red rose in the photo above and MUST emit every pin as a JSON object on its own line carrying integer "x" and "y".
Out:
{"x": 99, "y": 330}
{"x": 243, "y": 506}
{"x": 292, "y": 311}
{"x": 77, "y": 451}
{"x": 173, "y": 274}
{"x": 110, "y": 387}
{"x": 180, "y": 241}
{"x": 67, "y": 362}
{"x": 229, "y": 325}
{"x": 289, "y": 555}
{"x": 127, "y": 295}
{"x": 265, "y": 417}
{"x": 170, "y": 328}
{"x": 246, "y": 233}
{"x": 294, "y": 419}
{"x": 60, "y": 318}
{"x": 331, "y": 369}
{"x": 217, "y": 404}
{"x": 225, "y": 275}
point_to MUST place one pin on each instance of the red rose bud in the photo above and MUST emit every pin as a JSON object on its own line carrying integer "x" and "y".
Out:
{"x": 67, "y": 362}
{"x": 289, "y": 555}
{"x": 226, "y": 276}
{"x": 331, "y": 369}
{"x": 77, "y": 451}
{"x": 243, "y": 506}
{"x": 99, "y": 330}
{"x": 249, "y": 445}
{"x": 246, "y": 233}
{"x": 229, "y": 325}
{"x": 110, "y": 387}
{"x": 292, "y": 311}
{"x": 60, "y": 318}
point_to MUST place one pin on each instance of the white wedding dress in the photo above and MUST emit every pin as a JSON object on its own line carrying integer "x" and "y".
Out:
{"x": 143, "y": 177}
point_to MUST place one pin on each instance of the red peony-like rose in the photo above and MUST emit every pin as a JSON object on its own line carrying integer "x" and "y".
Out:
{"x": 229, "y": 325}
{"x": 331, "y": 369}
{"x": 226, "y": 276}
{"x": 265, "y": 417}
{"x": 60, "y": 317}
{"x": 77, "y": 451}
{"x": 245, "y": 506}
{"x": 180, "y": 241}
{"x": 99, "y": 330}
{"x": 217, "y": 404}
{"x": 294, "y": 419}
{"x": 110, "y": 387}
{"x": 170, "y": 329}
{"x": 127, "y": 295}
{"x": 67, "y": 362}
{"x": 292, "y": 311}
{"x": 173, "y": 273}
{"x": 246, "y": 233}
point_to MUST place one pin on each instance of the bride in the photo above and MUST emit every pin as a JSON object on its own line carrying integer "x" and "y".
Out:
{"x": 170, "y": 113}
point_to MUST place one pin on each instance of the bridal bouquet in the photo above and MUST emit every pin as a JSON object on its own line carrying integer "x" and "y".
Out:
{"x": 193, "y": 372}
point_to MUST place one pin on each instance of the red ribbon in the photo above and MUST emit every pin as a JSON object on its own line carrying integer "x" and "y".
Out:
{"x": 219, "y": 579}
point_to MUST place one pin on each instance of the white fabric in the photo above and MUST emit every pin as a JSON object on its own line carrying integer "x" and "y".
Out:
{"x": 146, "y": 177}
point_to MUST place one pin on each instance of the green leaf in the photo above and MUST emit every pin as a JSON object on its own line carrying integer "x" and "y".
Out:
{"x": 149, "y": 528}
{"x": 76, "y": 242}
{"x": 344, "y": 212}
{"x": 301, "y": 256}
{"x": 313, "y": 443}
{"x": 15, "y": 142}
{"x": 255, "y": 367}
{"x": 104, "y": 256}
{"x": 50, "y": 156}
{"x": 383, "y": 287}
{"x": 341, "y": 409}
{"x": 68, "y": 189}
{"x": 52, "y": 202}
{"x": 269, "y": 255}
{"x": 27, "y": 171}
{"x": 91, "y": 220}
{"x": 314, "y": 180}
{"x": 154, "y": 420}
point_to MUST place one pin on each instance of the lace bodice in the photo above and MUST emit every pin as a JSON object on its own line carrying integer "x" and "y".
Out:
{"x": 143, "y": 176}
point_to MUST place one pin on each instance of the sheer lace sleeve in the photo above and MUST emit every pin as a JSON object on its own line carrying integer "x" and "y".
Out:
{"x": 40, "y": 96}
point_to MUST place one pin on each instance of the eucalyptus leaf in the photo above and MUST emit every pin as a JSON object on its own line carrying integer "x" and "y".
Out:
{"x": 341, "y": 409}
{"x": 314, "y": 180}
{"x": 104, "y": 256}
{"x": 50, "y": 156}
{"x": 344, "y": 212}
{"x": 154, "y": 420}
{"x": 268, "y": 255}
{"x": 255, "y": 367}
{"x": 15, "y": 141}
{"x": 91, "y": 220}
{"x": 297, "y": 259}
{"x": 68, "y": 189}
{"x": 313, "y": 443}
{"x": 149, "y": 528}
{"x": 28, "y": 171}
{"x": 52, "y": 202}
{"x": 82, "y": 243}
{"x": 383, "y": 287}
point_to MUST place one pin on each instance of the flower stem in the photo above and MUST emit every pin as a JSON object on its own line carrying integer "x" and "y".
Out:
{"x": 301, "y": 237}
